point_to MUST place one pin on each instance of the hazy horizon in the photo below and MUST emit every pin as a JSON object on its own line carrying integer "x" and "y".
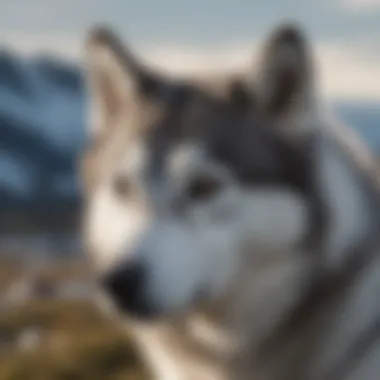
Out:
{"x": 183, "y": 36}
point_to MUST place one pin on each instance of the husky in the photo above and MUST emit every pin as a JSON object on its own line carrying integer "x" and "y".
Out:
{"x": 231, "y": 221}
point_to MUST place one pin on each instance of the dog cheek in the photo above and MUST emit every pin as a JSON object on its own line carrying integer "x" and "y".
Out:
{"x": 173, "y": 257}
{"x": 221, "y": 257}
{"x": 112, "y": 229}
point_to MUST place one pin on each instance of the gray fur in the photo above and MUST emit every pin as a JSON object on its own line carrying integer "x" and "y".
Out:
{"x": 251, "y": 216}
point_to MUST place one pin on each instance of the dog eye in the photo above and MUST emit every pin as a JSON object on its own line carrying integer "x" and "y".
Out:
{"x": 203, "y": 188}
{"x": 122, "y": 186}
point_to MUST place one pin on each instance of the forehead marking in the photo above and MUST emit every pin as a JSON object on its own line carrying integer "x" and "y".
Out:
{"x": 184, "y": 159}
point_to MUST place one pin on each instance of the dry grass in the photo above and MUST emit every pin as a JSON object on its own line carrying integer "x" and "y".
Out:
{"x": 77, "y": 342}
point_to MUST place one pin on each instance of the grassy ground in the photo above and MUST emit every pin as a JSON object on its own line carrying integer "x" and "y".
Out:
{"x": 77, "y": 342}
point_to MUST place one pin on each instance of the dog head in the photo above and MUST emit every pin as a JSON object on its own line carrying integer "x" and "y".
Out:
{"x": 189, "y": 181}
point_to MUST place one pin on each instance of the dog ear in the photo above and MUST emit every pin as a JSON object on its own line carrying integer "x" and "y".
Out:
{"x": 285, "y": 73}
{"x": 114, "y": 77}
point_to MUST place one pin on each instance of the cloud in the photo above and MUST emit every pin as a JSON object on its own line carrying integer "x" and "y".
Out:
{"x": 345, "y": 71}
{"x": 361, "y": 5}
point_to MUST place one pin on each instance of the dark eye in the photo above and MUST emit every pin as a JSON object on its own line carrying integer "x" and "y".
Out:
{"x": 202, "y": 188}
{"x": 122, "y": 186}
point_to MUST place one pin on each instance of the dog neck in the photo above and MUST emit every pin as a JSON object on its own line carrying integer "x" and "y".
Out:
{"x": 348, "y": 193}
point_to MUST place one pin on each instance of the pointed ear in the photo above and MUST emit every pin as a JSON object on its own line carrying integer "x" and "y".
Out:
{"x": 285, "y": 75}
{"x": 114, "y": 77}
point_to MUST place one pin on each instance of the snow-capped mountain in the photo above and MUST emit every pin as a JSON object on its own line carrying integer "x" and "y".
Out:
{"x": 41, "y": 130}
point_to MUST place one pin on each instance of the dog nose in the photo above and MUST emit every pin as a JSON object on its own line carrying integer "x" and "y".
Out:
{"x": 126, "y": 287}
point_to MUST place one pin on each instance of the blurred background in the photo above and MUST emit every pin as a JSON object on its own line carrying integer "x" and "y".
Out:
{"x": 49, "y": 328}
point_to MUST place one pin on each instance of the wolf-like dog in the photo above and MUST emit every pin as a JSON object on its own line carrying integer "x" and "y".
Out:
{"x": 231, "y": 221}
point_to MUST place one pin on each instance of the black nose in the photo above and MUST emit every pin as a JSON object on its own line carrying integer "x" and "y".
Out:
{"x": 126, "y": 286}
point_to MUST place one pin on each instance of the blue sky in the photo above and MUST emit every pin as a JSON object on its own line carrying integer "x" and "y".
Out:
{"x": 176, "y": 33}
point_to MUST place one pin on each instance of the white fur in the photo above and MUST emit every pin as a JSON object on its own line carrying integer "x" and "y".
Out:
{"x": 157, "y": 354}
{"x": 169, "y": 361}
{"x": 211, "y": 336}
{"x": 113, "y": 223}
{"x": 183, "y": 159}
{"x": 112, "y": 227}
